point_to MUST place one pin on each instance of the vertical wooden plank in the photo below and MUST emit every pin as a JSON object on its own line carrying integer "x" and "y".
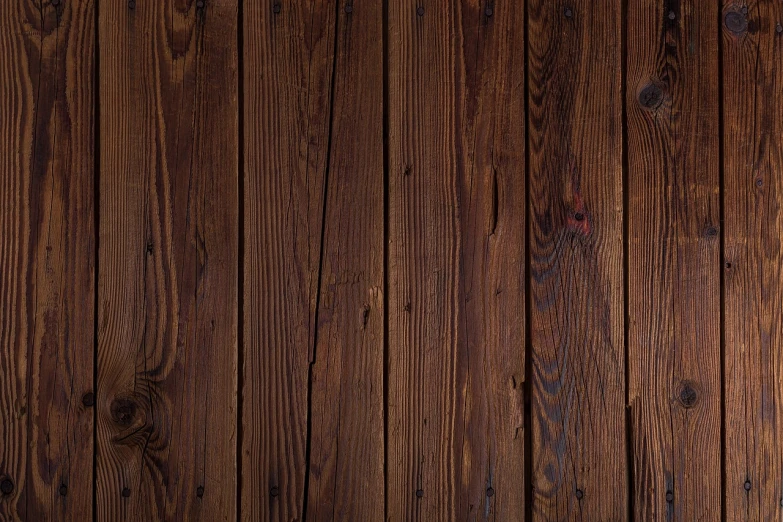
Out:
{"x": 346, "y": 468}
{"x": 674, "y": 259}
{"x": 168, "y": 260}
{"x": 456, "y": 260}
{"x": 288, "y": 58}
{"x": 576, "y": 260}
{"x": 753, "y": 195}
{"x": 47, "y": 259}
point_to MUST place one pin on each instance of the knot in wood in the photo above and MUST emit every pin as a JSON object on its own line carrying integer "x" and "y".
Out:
{"x": 200, "y": 491}
{"x": 88, "y": 400}
{"x": 736, "y": 22}
{"x": 711, "y": 231}
{"x": 123, "y": 411}
{"x": 6, "y": 486}
{"x": 688, "y": 395}
{"x": 651, "y": 96}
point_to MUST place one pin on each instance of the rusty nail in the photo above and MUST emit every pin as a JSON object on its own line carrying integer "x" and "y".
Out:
{"x": 669, "y": 497}
{"x": 126, "y": 492}
{"x": 651, "y": 96}
{"x": 735, "y": 22}
{"x": 420, "y": 11}
{"x": 490, "y": 492}
{"x": 747, "y": 485}
{"x": 89, "y": 399}
{"x": 419, "y": 493}
{"x": 568, "y": 12}
{"x": 6, "y": 486}
{"x": 580, "y": 494}
{"x": 276, "y": 8}
{"x": 200, "y": 491}
{"x": 63, "y": 490}
{"x": 349, "y": 9}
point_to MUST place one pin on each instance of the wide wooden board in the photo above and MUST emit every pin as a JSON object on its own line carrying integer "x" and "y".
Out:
{"x": 576, "y": 260}
{"x": 168, "y": 261}
{"x": 47, "y": 259}
{"x": 456, "y": 362}
{"x": 674, "y": 344}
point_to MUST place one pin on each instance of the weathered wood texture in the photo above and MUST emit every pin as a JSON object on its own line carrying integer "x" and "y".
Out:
{"x": 674, "y": 259}
{"x": 576, "y": 260}
{"x": 753, "y": 225}
{"x": 47, "y": 259}
{"x": 168, "y": 261}
{"x": 346, "y": 466}
{"x": 288, "y": 59}
{"x": 456, "y": 261}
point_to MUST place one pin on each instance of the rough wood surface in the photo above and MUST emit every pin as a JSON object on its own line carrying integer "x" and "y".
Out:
{"x": 47, "y": 259}
{"x": 576, "y": 260}
{"x": 168, "y": 261}
{"x": 674, "y": 259}
{"x": 288, "y": 59}
{"x": 346, "y": 466}
{"x": 753, "y": 224}
{"x": 456, "y": 261}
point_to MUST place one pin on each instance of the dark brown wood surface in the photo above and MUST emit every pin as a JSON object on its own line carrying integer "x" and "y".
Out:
{"x": 288, "y": 56}
{"x": 47, "y": 259}
{"x": 576, "y": 260}
{"x": 456, "y": 365}
{"x": 752, "y": 262}
{"x": 390, "y": 260}
{"x": 674, "y": 266}
{"x": 168, "y": 261}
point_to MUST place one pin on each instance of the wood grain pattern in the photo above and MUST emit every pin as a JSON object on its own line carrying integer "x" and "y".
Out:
{"x": 47, "y": 259}
{"x": 456, "y": 261}
{"x": 576, "y": 260}
{"x": 753, "y": 195}
{"x": 288, "y": 59}
{"x": 168, "y": 261}
{"x": 347, "y": 442}
{"x": 674, "y": 259}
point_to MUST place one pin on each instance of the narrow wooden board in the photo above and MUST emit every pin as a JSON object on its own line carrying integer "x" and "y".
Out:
{"x": 47, "y": 259}
{"x": 674, "y": 261}
{"x": 576, "y": 260}
{"x": 288, "y": 59}
{"x": 456, "y": 363}
{"x": 168, "y": 261}
{"x": 753, "y": 196}
{"x": 346, "y": 466}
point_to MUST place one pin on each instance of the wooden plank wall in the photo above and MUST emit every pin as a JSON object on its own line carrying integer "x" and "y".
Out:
{"x": 390, "y": 260}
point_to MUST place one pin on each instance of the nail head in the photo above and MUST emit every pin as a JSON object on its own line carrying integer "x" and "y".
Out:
{"x": 276, "y": 8}
{"x": 711, "y": 231}
{"x": 779, "y": 28}
{"x": 349, "y": 9}
{"x": 55, "y": 3}
{"x": 759, "y": 182}
{"x": 200, "y": 491}
{"x": 669, "y": 497}
{"x": 419, "y": 493}
{"x": 63, "y": 490}
{"x": 672, "y": 15}
{"x": 744, "y": 10}
{"x": 579, "y": 216}
{"x": 490, "y": 492}
{"x": 420, "y": 11}
{"x": 6, "y": 486}
{"x": 580, "y": 494}
{"x": 200, "y": 4}
{"x": 488, "y": 11}
{"x": 747, "y": 485}
{"x": 126, "y": 492}
{"x": 274, "y": 491}
{"x": 131, "y": 4}
{"x": 568, "y": 12}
